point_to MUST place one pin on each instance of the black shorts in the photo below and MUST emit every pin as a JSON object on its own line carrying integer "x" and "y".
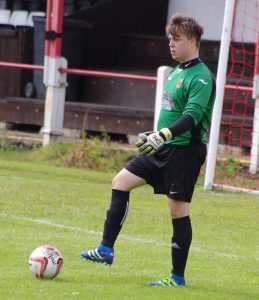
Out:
{"x": 172, "y": 171}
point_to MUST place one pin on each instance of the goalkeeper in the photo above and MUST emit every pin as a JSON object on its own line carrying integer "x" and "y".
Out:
{"x": 170, "y": 158}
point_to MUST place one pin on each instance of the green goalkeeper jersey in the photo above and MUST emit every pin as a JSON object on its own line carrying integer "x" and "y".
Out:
{"x": 189, "y": 90}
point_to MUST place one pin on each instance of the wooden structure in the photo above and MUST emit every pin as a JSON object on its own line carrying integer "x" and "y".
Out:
{"x": 121, "y": 40}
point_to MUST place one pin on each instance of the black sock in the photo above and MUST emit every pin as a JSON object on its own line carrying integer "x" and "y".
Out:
{"x": 115, "y": 217}
{"x": 181, "y": 241}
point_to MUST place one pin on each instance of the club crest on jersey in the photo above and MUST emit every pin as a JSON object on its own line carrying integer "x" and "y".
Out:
{"x": 179, "y": 83}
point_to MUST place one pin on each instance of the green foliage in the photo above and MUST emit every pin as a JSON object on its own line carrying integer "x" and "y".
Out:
{"x": 96, "y": 153}
{"x": 87, "y": 155}
{"x": 99, "y": 153}
{"x": 5, "y": 144}
{"x": 55, "y": 154}
{"x": 42, "y": 204}
{"x": 235, "y": 172}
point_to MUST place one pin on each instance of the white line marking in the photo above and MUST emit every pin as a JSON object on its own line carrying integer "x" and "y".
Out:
{"x": 125, "y": 237}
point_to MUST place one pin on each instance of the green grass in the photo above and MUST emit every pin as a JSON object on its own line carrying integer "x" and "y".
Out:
{"x": 42, "y": 204}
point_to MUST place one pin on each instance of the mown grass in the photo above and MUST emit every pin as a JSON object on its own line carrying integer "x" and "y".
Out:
{"x": 45, "y": 204}
{"x": 59, "y": 195}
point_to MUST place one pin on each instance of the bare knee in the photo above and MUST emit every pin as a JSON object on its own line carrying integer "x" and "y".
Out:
{"x": 116, "y": 181}
{"x": 126, "y": 181}
{"x": 178, "y": 209}
{"x": 176, "y": 214}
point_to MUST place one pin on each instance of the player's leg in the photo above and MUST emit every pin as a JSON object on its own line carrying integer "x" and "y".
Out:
{"x": 126, "y": 181}
{"x": 122, "y": 184}
{"x": 181, "y": 241}
{"x": 184, "y": 171}
{"x": 116, "y": 215}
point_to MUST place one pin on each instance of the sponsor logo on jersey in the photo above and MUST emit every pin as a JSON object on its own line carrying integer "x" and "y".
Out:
{"x": 179, "y": 83}
{"x": 167, "y": 105}
{"x": 167, "y": 101}
{"x": 167, "y": 96}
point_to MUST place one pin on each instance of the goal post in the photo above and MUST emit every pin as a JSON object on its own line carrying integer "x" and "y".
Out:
{"x": 220, "y": 84}
{"x": 254, "y": 160}
{"x": 235, "y": 120}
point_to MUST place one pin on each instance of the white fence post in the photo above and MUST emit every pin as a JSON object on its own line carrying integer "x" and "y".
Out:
{"x": 55, "y": 99}
{"x": 162, "y": 74}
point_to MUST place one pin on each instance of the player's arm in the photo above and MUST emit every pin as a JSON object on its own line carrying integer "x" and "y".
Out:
{"x": 199, "y": 97}
{"x": 149, "y": 143}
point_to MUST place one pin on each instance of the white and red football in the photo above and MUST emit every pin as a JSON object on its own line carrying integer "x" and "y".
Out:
{"x": 45, "y": 262}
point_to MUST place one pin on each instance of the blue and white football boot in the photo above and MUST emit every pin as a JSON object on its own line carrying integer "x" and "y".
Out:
{"x": 102, "y": 255}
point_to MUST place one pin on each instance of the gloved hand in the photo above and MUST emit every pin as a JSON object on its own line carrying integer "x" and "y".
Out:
{"x": 150, "y": 142}
{"x": 144, "y": 135}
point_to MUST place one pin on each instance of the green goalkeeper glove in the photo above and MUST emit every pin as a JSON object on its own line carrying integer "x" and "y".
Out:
{"x": 150, "y": 142}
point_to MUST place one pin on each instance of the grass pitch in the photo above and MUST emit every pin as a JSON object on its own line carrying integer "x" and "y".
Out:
{"x": 65, "y": 207}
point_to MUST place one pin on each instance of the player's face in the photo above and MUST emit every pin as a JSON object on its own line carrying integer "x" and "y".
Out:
{"x": 182, "y": 48}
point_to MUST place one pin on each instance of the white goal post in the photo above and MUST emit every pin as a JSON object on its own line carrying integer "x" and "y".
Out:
{"x": 217, "y": 112}
{"x": 220, "y": 87}
{"x": 254, "y": 161}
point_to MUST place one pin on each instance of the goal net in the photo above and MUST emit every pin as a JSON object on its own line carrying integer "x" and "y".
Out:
{"x": 233, "y": 156}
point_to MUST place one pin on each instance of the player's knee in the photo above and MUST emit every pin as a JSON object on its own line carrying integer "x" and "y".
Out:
{"x": 176, "y": 214}
{"x": 115, "y": 181}
{"x": 126, "y": 181}
{"x": 178, "y": 209}
{"x": 119, "y": 183}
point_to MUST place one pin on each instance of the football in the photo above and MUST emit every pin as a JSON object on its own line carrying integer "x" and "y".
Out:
{"x": 45, "y": 262}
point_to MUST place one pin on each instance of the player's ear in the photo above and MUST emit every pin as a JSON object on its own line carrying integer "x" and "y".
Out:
{"x": 193, "y": 42}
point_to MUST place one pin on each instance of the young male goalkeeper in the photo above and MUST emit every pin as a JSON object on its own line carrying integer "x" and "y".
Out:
{"x": 170, "y": 158}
